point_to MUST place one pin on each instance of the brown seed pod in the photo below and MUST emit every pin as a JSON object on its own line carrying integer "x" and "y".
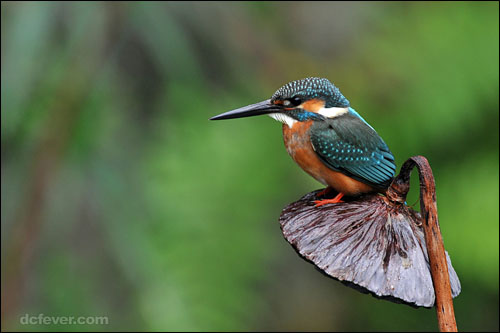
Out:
{"x": 372, "y": 243}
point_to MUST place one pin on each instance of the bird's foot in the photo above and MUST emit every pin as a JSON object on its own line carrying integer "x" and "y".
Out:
{"x": 327, "y": 190}
{"x": 329, "y": 201}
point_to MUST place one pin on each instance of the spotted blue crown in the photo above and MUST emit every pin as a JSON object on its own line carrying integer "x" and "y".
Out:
{"x": 312, "y": 87}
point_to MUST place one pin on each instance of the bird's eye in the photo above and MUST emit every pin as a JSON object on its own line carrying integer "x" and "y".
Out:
{"x": 295, "y": 101}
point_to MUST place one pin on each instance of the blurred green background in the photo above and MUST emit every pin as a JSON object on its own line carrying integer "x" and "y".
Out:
{"x": 119, "y": 198}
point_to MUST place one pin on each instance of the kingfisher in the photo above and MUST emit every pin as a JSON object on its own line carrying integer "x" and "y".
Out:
{"x": 327, "y": 138}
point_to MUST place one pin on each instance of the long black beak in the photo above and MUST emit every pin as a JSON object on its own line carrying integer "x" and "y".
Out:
{"x": 264, "y": 107}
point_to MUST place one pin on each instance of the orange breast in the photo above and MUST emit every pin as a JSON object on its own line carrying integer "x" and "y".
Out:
{"x": 298, "y": 145}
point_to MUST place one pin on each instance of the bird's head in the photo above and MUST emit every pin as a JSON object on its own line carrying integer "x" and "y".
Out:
{"x": 302, "y": 100}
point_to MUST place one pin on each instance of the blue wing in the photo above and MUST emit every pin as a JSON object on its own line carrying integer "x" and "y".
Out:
{"x": 349, "y": 145}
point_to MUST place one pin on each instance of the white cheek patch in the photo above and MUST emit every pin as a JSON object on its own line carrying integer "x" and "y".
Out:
{"x": 283, "y": 118}
{"x": 332, "y": 112}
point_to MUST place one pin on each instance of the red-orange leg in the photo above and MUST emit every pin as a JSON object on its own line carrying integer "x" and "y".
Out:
{"x": 327, "y": 190}
{"x": 329, "y": 201}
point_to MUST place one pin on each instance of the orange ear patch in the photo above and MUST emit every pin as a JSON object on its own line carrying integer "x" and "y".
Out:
{"x": 313, "y": 105}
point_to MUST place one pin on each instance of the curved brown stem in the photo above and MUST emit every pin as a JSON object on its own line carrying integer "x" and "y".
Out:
{"x": 434, "y": 241}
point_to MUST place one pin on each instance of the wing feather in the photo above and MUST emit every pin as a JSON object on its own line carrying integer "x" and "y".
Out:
{"x": 349, "y": 145}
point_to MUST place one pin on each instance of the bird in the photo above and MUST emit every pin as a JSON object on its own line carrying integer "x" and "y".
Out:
{"x": 327, "y": 138}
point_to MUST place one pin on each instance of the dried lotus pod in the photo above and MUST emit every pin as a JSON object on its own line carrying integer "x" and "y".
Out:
{"x": 372, "y": 243}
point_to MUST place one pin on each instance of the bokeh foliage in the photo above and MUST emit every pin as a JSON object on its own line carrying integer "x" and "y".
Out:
{"x": 120, "y": 198}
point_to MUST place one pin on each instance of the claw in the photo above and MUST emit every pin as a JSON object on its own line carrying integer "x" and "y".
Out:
{"x": 329, "y": 201}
